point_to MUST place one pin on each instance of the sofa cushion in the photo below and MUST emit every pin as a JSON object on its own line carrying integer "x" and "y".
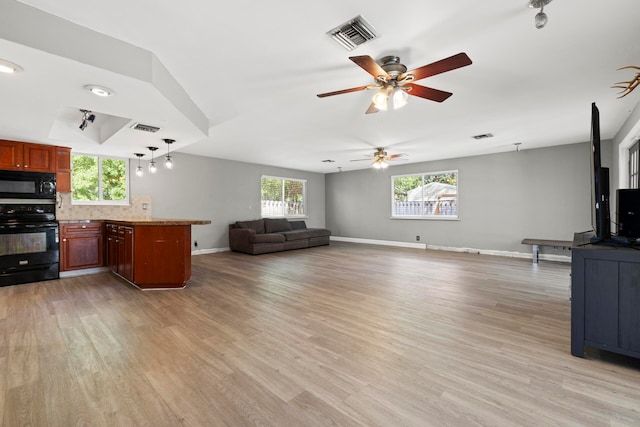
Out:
{"x": 267, "y": 238}
{"x": 295, "y": 235}
{"x": 318, "y": 232}
{"x": 274, "y": 225}
{"x": 298, "y": 225}
{"x": 257, "y": 225}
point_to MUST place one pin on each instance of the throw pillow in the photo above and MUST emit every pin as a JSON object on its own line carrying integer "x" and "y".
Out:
{"x": 272, "y": 225}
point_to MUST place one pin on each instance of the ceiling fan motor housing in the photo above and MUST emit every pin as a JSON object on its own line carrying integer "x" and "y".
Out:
{"x": 392, "y": 65}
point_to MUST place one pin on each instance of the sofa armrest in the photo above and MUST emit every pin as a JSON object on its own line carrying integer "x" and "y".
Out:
{"x": 239, "y": 239}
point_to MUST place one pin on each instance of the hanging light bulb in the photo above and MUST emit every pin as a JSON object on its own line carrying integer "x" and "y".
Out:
{"x": 400, "y": 98}
{"x": 380, "y": 99}
{"x": 139, "y": 171}
{"x": 168, "y": 163}
{"x": 152, "y": 163}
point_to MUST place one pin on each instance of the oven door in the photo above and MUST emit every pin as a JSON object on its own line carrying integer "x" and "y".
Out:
{"x": 28, "y": 253}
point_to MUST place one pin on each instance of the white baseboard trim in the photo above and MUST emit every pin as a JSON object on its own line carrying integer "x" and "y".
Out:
{"x": 209, "y": 251}
{"x": 509, "y": 254}
{"x": 83, "y": 272}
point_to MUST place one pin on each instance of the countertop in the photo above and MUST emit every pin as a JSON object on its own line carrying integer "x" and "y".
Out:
{"x": 140, "y": 221}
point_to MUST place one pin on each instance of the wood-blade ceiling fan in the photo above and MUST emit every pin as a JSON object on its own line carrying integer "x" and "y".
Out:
{"x": 394, "y": 81}
{"x": 381, "y": 158}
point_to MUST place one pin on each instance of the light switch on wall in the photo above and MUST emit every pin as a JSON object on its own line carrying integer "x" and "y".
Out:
{"x": 145, "y": 206}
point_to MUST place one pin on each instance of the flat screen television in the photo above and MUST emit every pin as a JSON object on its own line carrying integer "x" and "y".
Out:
{"x": 600, "y": 212}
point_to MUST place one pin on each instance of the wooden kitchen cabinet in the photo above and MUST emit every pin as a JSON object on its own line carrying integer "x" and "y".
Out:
{"x": 120, "y": 250}
{"x": 81, "y": 245}
{"x": 63, "y": 169}
{"x": 15, "y": 155}
{"x": 150, "y": 255}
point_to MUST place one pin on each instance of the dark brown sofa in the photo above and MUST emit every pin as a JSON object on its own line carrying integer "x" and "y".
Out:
{"x": 266, "y": 235}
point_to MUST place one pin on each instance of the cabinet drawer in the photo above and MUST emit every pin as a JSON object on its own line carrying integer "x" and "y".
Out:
{"x": 76, "y": 229}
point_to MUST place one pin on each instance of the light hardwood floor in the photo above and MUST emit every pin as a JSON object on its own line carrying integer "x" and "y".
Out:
{"x": 345, "y": 335}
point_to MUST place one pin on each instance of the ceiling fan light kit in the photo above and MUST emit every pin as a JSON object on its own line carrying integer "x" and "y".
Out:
{"x": 394, "y": 81}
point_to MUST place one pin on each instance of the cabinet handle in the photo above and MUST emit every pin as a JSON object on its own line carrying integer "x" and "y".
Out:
{"x": 64, "y": 240}
{"x": 26, "y": 166}
{"x": 17, "y": 166}
{"x": 84, "y": 226}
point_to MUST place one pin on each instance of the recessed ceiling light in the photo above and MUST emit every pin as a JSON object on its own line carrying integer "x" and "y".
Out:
{"x": 99, "y": 90}
{"x": 9, "y": 67}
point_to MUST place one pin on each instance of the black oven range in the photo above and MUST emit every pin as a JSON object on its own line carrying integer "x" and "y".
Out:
{"x": 28, "y": 241}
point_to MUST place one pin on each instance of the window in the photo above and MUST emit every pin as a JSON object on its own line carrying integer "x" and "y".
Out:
{"x": 283, "y": 197}
{"x": 99, "y": 180}
{"x": 634, "y": 164}
{"x": 427, "y": 195}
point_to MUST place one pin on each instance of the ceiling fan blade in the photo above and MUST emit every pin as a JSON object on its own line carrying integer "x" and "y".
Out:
{"x": 340, "y": 92}
{"x": 361, "y": 160}
{"x": 395, "y": 156}
{"x": 372, "y": 109}
{"x": 370, "y": 66}
{"x": 427, "y": 92}
{"x": 438, "y": 67}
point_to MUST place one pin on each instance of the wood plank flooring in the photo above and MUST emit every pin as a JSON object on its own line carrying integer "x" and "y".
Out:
{"x": 341, "y": 335}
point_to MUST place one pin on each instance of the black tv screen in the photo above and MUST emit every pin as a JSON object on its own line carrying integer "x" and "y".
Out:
{"x": 600, "y": 213}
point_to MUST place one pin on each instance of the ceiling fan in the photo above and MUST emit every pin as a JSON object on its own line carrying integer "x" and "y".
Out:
{"x": 381, "y": 158}
{"x": 394, "y": 81}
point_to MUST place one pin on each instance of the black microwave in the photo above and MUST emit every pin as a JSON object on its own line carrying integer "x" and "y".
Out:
{"x": 27, "y": 185}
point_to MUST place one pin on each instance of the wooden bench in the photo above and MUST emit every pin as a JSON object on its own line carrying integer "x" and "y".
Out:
{"x": 536, "y": 243}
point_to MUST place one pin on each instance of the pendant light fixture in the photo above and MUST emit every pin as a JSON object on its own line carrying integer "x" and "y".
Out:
{"x": 168, "y": 163}
{"x": 541, "y": 17}
{"x": 139, "y": 171}
{"x": 152, "y": 163}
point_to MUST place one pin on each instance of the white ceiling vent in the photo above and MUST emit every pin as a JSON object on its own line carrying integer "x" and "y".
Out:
{"x": 353, "y": 33}
{"x": 145, "y": 128}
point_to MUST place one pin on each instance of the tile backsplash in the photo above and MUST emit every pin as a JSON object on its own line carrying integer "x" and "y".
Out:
{"x": 65, "y": 211}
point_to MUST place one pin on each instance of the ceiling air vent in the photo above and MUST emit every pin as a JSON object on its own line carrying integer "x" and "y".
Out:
{"x": 145, "y": 128}
{"x": 353, "y": 33}
{"x": 483, "y": 136}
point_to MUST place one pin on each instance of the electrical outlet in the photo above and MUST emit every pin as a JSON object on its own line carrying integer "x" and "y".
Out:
{"x": 417, "y": 238}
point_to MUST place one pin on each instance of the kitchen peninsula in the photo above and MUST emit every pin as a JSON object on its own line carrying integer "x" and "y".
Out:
{"x": 150, "y": 253}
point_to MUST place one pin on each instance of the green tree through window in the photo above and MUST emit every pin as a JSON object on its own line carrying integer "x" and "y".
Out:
{"x": 99, "y": 179}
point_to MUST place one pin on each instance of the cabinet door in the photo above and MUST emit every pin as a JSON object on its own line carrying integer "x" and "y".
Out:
{"x": 112, "y": 247}
{"x": 81, "y": 246}
{"x": 601, "y": 301}
{"x": 10, "y": 155}
{"x": 39, "y": 158}
{"x": 127, "y": 253}
{"x": 63, "y": 169}
{"x": 629, "y": 319}
{"x": 81, "y": 252}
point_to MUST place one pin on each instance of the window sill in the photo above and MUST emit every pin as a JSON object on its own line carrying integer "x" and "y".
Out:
{"x": 428, "y": 218}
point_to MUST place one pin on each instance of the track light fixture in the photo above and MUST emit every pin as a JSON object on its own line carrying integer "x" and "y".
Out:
{"x": 541, "y": 17}
{"x": 87, "y": 117}
{"x": 152, "y": 163}
{"x": 139, "y": 171}
{"x": 168, "y": 163}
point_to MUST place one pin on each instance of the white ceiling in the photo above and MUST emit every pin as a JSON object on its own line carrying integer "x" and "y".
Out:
{"x": 238, "y": 80}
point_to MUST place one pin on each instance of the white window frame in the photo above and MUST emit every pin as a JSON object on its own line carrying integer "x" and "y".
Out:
{"x": 634, "y": 165}
{"x": 283, "y": 214}
{"x": 454, "y": 217}
{"x": 127, "y": 175}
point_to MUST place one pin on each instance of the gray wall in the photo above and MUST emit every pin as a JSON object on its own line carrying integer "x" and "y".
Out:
{"x": 503, "y": 198}
{"x": 222, "y": 191}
